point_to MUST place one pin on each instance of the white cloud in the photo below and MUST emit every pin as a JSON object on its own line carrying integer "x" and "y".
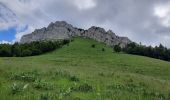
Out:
{"x": 84, "y": 4}
{"x": 163, "y": 12}
{"x": 21, "y": 33}
{"x": 5, "y": 26}
{"x": 27, "y": 13}
{"x": 5, "y": 42}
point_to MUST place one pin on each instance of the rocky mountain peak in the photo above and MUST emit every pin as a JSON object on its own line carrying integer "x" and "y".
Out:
{"x": 63, "y": 30}
{"x": 98, "y": 29}
{"x": 61, "y": 23}
{"x": 110, "y": 32}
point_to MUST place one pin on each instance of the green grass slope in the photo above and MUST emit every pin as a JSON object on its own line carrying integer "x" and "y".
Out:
{"x": 79, "y": 72}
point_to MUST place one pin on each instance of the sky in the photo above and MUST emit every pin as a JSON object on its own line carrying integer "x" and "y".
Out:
{"x": 145, "y": 21}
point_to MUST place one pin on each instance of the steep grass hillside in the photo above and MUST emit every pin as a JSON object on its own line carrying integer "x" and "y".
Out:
{"x": 79, "y": 71}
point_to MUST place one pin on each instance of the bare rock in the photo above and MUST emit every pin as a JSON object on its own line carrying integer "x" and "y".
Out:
{"x": 63, "y": 30}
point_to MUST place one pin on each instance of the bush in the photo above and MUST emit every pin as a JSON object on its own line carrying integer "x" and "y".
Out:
{"x": 103, "y": 49}
{"x": 36, "y": 52}
{"x": 93, "y": 45}
{"x": 66, "y": 41}
{"x": 64, "y": 92}
{"x": 16, "y": 88}
{"x": 26, "y": 53}
{"x": 83, "y": 88}
{"x": 45, "y": 96}
{"x": 25, "y": 76}
{"x": 74, "y": 78}
{"x": 117, "y": 48}
{"x": 42, "y": 85}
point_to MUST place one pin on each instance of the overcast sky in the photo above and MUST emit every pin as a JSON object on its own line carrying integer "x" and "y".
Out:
{"x": 146, "y": 21}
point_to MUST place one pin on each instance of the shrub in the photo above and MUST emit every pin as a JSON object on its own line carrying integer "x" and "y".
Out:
{"x": 45, "y": 96}
{"x": 66, "y": 41}
{"x": 93, "y": 45}
{"x": 64, "y": 92}
{"x": 42, "y": 85}
{"x": 117, "y": 48}
{"x": 27, "y": 53}
{"x": 16, "y": 88}
{"x": 36, "y": 52}
{"x": 74, "y": 78}
{"x": 25, "y": 76}
{"x": 83, "y": 88}
{"x": 103, "y": 49}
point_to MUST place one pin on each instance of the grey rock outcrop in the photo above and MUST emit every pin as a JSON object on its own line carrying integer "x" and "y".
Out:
{"x": 63, "y": 30}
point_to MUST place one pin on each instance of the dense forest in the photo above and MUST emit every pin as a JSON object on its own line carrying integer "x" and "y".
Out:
{"x": 30, "y": 49}
{"x": 158, "y": 52}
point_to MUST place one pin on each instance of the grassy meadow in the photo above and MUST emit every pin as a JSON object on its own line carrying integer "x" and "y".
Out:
{"x": 79, "y": 71}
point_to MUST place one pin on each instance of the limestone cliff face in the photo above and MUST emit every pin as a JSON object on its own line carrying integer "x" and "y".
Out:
{"x": 63, "y": 30}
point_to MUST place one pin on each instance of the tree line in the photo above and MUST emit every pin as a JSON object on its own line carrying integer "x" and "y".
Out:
{"x": 30, "y": 49}
{"x": 41, "y": 47}
{"x": 158, "y": 52}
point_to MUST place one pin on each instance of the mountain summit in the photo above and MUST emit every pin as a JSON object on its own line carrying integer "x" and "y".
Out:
{"x": 63, "y": 30}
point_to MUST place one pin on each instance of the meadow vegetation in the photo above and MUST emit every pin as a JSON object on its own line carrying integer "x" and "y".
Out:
{"x": 84, "y": 70}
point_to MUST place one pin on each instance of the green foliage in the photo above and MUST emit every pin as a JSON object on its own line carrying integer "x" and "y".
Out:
{"x": 93, "y": 45}
{"x": 159, "y": 52}
{"x": 64, "y": 92}
{"x": 168, "y": 96}
{"x": 74, "y": 78}
{"x": 62, "y": 74}
{"x": 5, "y": 50}
{"x": 36, "y": 51}
{"x": 16, "y": 50}
{"x": 101, "y": 74}
{"x": 66, "y": 41}
{"x": 45, "y": 96}
{"x": 65, "y": 74}
{"x": 26, "y": 53}
{"x": 111, "y": 76}
{"x": 136, "y": 88}
{"x": 103, "y": 49}
{"x": 117, "y": 48}
{"x": 25, "y": 76}
{"x": 83, "y": 88}
{"x": 30, "y": 49}
{"x": 17, "y": 88}
{"x": 42, "y": 85}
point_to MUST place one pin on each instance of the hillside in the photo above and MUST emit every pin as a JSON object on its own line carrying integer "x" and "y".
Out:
{"x": 79, "y": 71}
